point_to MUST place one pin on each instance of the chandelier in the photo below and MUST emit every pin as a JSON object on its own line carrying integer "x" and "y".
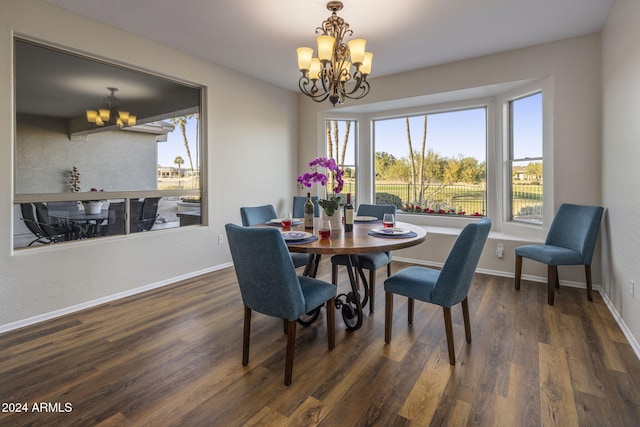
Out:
{"x": 111, "y": 115}
{"x": 340, "y": 71}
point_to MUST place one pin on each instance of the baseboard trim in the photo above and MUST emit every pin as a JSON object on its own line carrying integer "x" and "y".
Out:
{"x": 625, "y": 330}
{"x": 74, "y": 308}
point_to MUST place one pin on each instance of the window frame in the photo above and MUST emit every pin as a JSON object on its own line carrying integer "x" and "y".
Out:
{"x": 498, "y": 177}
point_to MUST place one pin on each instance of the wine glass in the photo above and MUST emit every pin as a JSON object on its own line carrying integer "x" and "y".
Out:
{"x": 388, "y": 220}
{"x": 325, "y": 230}
{"x": 286, "y": 220}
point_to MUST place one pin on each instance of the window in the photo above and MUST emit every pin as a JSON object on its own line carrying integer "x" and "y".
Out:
{"x": 341, "y": 146}
{"x": 525, "y": 159}
{"x": 433, "y": 163}
{"x": 142, "y": 175}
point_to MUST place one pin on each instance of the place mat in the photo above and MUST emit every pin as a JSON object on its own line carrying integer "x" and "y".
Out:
{"x": 377, "y": 221}
{"x": 394, "y": 236}
{"x": 301, "y": 242}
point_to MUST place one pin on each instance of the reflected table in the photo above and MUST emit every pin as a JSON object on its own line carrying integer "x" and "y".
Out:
{"x": 88, "y": 223}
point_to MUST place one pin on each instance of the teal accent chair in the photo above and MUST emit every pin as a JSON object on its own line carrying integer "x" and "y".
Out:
{"x": 571, "y": 241}
{"x": 269, "y": 285}
{"x": 371, "y": 262}
{"x": 298, "y": 206}
{"x": 254, "y": 215}
{"x": 446, "y": 287}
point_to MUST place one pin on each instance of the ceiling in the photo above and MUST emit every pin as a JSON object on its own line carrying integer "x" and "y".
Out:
{"x": 259, "y": 37}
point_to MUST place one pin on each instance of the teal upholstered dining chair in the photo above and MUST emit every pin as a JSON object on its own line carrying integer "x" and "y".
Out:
{"x": 446, "y": 287}
{"x": 269, "y": 285}
{"x": 254, "y": 215}
{"x": 570, "y": 241}
{"x": 371, "y": 262}
{"x": 298, "y": 206}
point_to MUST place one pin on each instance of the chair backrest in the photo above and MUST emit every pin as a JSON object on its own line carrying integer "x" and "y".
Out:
{"x": 29, "y": 218}
{"x": 375, "y": 210}
{"x": 298, "y": 206}
{"x": 457, "y": 272}
{"x": 115, "y": 223}
{"x": 135, "y": 215}
{"x": 257, "y": 214}
{"x": 265, "y": 272}
{"x": 576, "y": 227}
{"x": 149, "y": 212}
{"x": 42, "y": 213}
{"x": 44, "y": 222}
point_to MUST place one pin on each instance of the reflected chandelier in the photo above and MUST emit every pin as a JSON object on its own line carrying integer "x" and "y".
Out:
{"x": 111, "y": 115}
{"x": 340, "y": 71}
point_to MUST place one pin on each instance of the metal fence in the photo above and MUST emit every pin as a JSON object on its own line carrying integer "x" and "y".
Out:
{"x": 468, "y": 198}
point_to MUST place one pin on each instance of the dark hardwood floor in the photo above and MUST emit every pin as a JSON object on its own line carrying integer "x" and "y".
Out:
{"x": 172, "y": 357}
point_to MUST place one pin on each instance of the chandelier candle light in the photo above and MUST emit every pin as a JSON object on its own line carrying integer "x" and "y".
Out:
{"x": 104, "y": 115}
{"x": 340, "y": 70}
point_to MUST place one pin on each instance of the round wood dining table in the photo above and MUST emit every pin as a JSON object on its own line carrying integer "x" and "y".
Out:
{"x": 359, "y": 241}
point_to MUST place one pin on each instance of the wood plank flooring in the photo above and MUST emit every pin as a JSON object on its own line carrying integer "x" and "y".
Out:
{"x": 172, "y": 357}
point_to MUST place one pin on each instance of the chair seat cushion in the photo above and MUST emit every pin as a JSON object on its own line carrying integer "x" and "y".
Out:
{"x": 299, "y": 260}
{"x": 550, "y": 255}
{"x": 316, "y": 292}
{"x": 413, "y": 282}
{"x": 367, "y": 261}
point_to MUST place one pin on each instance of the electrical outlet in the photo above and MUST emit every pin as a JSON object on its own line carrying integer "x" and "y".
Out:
{"x": 500, "y": 250}
{"x": 632, "y": 288}
{"x": 220, "y": 239}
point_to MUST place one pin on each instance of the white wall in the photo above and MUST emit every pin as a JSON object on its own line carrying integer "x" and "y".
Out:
{"x": 621, "y": 158}
{"x": 111, "y": 160}
{"x": 251, "y": 129}
{"x": 573, "y": 66}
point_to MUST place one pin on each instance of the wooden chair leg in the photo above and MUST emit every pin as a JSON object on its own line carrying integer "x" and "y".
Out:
{"x": 552, "y": 276}
{"x": 334, "y": 274}
{"x": 388, "y": 316}
{"x": 587, "y": 271}
{"x": 331, "y": 323}
{"x": 465, "y": 316}
{"x": 246, "y": 336}
{"x": 410, "y": 305}
{"x": 285, "y": 325}
{"x": 372, "y": 290}
{"x": 448, "y": 327}
{"x": 291, "y": 344}
{"x": 518, "y": 271}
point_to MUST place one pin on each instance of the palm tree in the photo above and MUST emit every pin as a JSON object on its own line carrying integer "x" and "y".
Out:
{"x": 182, "y": 122}
{"x": 179, "y": 161}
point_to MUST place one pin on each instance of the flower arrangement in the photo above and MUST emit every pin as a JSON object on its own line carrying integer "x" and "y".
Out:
{"x": 333, "y": 202}
{"x": 99, "y": 191}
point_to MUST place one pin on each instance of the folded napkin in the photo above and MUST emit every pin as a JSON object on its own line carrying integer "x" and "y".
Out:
{"x": 394, "y": 236}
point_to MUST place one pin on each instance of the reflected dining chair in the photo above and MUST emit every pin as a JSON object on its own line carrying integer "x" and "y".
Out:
{"x": 570, "y": 241}
{"x": 446, "y": 287}
{"x": 371, "y": 262}
{"x": 253, "y": 215}
{"x": 298, "y": 206}
{"x": 269, "y": 285}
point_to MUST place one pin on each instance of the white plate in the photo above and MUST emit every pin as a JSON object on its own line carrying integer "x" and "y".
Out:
{"x": 391, "y": 231}
{"x": 279, "y": 221}
{"x": 366, "y": 218}
{"x": 296, "y": 235}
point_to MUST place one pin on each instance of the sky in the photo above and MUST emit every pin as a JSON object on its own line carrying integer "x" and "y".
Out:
{"x": 174, "y": 146}
{"x": 460, "y": 132}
